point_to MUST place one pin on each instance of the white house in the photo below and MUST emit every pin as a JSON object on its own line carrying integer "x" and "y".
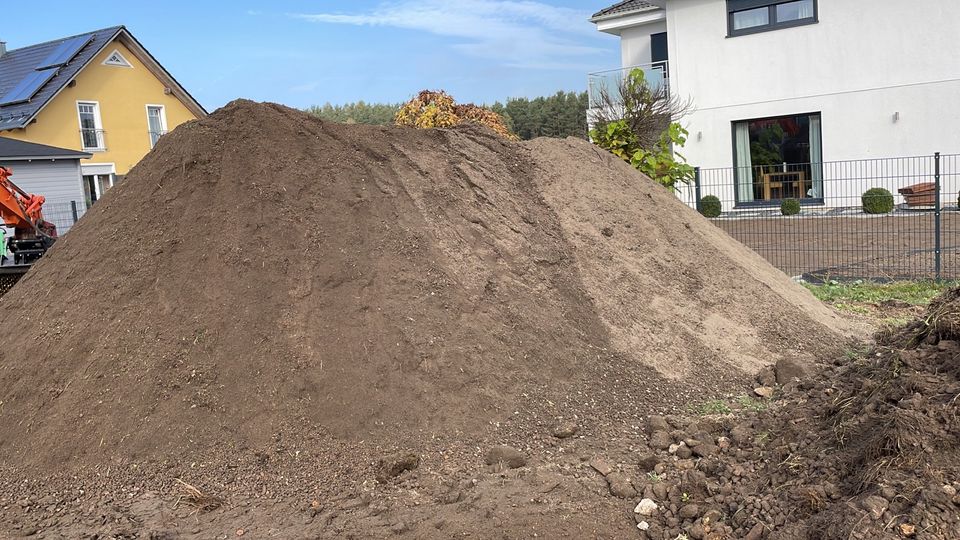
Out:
{"x": 783, "y": 88}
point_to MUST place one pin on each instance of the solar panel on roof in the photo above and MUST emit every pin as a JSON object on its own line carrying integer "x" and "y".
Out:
{"x": 28, "y": 87}
{"x": 64, "y": 52}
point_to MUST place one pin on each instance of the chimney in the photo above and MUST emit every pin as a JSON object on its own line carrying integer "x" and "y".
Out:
{"x": 3, "y": 48}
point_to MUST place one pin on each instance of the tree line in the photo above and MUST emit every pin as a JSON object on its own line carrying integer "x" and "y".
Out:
{"x": 563, "y": 114}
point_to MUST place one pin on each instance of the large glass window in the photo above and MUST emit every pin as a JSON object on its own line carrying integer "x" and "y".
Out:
{"x": 750, "y": 16}
{"x": 778, "y": 158}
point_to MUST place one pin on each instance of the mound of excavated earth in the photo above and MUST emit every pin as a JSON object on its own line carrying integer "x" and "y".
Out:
{"x": 268, "y": 288}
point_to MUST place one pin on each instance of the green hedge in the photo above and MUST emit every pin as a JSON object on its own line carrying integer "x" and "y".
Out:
{"x": 710, "y": 206}
{"x": 877, "y": 201}
{"x": 790, "y": 207}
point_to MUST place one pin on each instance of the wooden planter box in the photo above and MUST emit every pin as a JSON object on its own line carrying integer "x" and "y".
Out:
{"x": 922, "y": 194}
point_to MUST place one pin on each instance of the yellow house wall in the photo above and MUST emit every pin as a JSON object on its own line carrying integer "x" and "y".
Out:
{"x": 123, "y": 94}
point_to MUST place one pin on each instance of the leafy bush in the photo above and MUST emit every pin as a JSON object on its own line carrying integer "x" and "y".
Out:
{"x": 438, "y": 109}
{"x": 710, "y": 206}
{"x": 661, "y": 163}
{"x": 877, "y": 201}
{"x": 790, "y": 207}
{"x": 632, "y": 139}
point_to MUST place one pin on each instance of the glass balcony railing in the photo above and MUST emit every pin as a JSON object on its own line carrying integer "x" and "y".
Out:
{"x": 608, "y": 83}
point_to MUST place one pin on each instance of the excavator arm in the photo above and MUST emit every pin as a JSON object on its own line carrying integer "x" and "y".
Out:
{"x": 23, "y": 212}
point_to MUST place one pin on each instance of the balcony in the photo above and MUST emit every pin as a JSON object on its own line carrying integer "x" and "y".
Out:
{"x": 93, "y": 139}
{"x": 155, "y": 136}
{"x": 609, "y": 82}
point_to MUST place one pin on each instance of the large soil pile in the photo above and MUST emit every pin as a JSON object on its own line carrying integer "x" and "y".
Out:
{"x": 266, "y": 284}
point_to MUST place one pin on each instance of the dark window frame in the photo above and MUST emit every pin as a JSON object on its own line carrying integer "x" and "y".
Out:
{"x": 771, "y": 203}
{"x": 735, "y": 6}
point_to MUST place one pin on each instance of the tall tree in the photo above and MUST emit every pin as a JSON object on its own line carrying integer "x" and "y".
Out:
{"x": 563, "y": 114}
{"x": 359, "y": 112}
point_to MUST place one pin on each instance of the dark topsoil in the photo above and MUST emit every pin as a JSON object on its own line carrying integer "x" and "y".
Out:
{"x": 270, "y": 305}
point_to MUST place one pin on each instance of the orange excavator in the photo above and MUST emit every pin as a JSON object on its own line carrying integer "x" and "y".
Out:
{"x": 32, "y": 235}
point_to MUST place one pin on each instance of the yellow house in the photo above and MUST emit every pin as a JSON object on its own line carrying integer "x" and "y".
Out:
{"x": 101, "y": 93}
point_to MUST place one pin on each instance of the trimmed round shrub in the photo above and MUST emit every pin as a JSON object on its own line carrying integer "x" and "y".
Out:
{"x": 710, "y": 206}
{"x": 790, "y": 207}
{"x": 877, "y": 201}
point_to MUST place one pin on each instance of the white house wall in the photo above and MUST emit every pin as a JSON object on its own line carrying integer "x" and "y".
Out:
{"x": 635, "y": 47}
{"x": 863, "y": 62}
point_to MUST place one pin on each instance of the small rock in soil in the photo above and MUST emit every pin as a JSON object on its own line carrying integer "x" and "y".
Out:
{"x": 601, "y": 466}
{"x": 565, "y": 430}
{"x": 647, "y": 462}
{"x": 706, "y": 450}
{"x": 511, "y": 457}
{"x": 689, "y": 511}
{"x": 789, "y": 369}
{"x": 620, "y": 486}
{"x": 660, "y": 440}
{"x": 646, "y": 507}
{"x": 657, "y": 423}
{"x": 763, "y": 391}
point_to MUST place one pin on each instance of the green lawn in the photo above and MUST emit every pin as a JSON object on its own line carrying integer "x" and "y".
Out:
{"x": 893, "y": 303}
{"x": 917, "y": 293}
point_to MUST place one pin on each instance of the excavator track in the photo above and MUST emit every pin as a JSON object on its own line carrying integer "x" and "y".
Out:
{"x": 9, "y": 276}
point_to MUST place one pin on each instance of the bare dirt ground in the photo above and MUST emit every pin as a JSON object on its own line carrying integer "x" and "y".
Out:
{"x": 864, "y": 448}
{"x": 279, "y": 327}
{"x": 897, "y": 246}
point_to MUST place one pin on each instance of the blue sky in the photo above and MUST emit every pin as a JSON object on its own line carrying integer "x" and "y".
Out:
{"x": 310, "y": 52}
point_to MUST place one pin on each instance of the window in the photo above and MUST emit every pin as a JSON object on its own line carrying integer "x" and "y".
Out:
{"x": 658, "y": 49}
{"x": 91, "y": 130}
{"x": 752, "y": 16}
{"x": 778, "y": 158}
{"x": 116, "y": 59}
{"x": 95, "y": 185}
{"x": 156, "y": 123}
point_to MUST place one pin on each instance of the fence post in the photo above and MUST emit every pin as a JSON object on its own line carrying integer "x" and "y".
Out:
{"x": 73, "y": 211}
{"x": 936, "y": 215}
{"x": 696, "y": 187}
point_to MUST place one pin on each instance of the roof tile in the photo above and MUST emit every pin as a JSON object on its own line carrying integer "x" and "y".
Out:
{"x": 624, "y": 7}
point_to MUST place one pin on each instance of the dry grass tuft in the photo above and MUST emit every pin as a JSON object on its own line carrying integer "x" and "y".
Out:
{"x": 196, "y": 498}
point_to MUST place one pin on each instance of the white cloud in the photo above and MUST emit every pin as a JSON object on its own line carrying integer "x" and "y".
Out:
{"x": 516, "y": 32}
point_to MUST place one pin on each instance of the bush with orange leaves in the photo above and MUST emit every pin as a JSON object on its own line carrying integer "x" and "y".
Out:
{"x": 438, "y": 109}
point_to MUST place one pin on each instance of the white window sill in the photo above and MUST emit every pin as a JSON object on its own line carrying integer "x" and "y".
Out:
{"x": 94, "y": 149}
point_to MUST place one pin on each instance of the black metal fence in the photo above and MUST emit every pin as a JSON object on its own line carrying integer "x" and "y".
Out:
{"x": 63, "y": 214}
{"x": 840, "y": 231}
